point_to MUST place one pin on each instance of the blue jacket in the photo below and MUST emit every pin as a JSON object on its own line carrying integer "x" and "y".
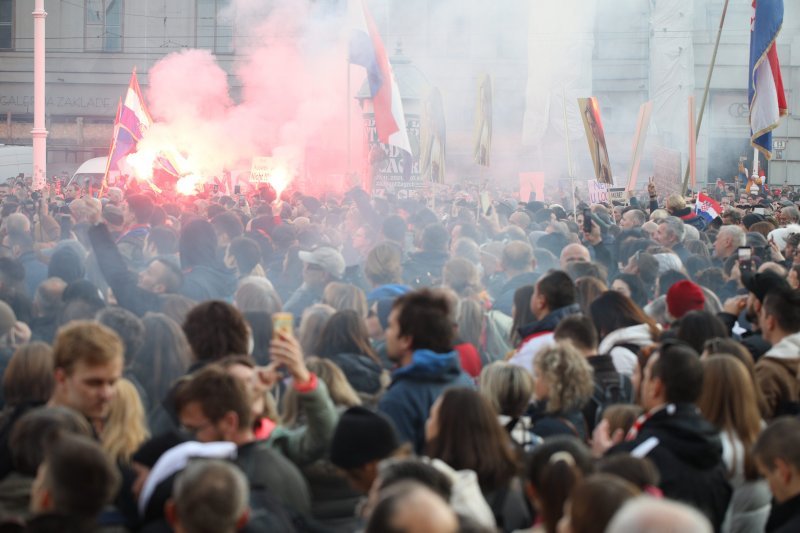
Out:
{"x": 415, "y": 388}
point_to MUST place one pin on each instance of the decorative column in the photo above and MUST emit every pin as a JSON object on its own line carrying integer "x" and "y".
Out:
{"x": 39, "y": 132}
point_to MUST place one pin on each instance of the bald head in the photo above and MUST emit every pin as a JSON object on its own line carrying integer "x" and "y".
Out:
{"x": 572, "y": 253}
{"x": 412, "y": 508}
{"x": 646, "y": 514}
{"x": 517, "y": 257}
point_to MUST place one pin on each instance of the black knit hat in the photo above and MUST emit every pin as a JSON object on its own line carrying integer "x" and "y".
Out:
{"x": 362, "y": 436}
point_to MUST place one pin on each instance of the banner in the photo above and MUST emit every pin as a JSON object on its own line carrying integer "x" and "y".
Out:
{"x": 617, "y": 194}
{"x": 260, "y": 169}
{"x": 639, "y": 138}
{"x": 598, "y": 192}
{"x": 433, "y": 138}
{"x": 392, "y": 170}
{"x": 482, "y": 142}
{"x": 667, "y": 171}
{"x": 593, "y": 125}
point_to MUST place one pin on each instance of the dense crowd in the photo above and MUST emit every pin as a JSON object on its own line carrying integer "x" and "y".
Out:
{"x": 225, "y": 363}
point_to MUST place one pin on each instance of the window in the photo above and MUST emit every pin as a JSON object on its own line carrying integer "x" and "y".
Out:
{"x": 6, "y": 24}
{"x": 215, "y": 26}
{"x": 104, "y": 25}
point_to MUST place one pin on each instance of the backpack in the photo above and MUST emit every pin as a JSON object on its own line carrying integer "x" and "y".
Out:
{"x": 609, "y": 392}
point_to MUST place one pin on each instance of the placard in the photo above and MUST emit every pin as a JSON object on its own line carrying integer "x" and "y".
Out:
{"x": 260, "y": 169}
{"x": 667, "y": 171}
{"x": 598, "y": 192}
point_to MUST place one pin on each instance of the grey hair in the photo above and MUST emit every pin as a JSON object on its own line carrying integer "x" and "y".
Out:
{"x": 647, "y": 514}
{"x": 736, "y": 234}
{"x": 675, "y": 226}
{"x": 210, "y": 496}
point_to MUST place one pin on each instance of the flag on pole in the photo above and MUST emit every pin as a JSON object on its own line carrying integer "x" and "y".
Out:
{"x": 132, "y": 121}
{"x": 366, "y": 49}
{"x": 765, "y": 86}
{"x": 707, "y": 208}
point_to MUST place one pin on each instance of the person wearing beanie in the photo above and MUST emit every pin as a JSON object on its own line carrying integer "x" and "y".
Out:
{"x": 363, "y": 439}
{"x": 684, "y": 296}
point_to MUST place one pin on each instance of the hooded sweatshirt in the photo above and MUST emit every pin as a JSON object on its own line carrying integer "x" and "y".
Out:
{"x": 687, "y": 451}
{"x": 416, "y": 387}
{"x": 539, "y": 335}
{"x": 776, "y": 374}
{"x": 624, "y": 359}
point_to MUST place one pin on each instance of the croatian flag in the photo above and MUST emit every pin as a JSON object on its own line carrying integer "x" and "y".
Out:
{"x": 366, "y": 49}
{"x": 707, "y": 208}
{"x": 765, "y": 89}
{"x": 132, "y": 121}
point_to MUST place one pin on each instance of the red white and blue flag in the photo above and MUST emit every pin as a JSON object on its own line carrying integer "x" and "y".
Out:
{"x": 765, "y": 88}
{"x": 707, "y": 208}
{"x": 132, "y": 121}
{"x": 366, "y": 49}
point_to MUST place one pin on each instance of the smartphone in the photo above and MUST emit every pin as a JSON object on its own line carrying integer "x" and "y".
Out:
{"x": 282, "y": 325}
{"x": 237, "y": 189}
{"x": 215, "y": 188}
{"x": 587, "y": 220}
{"x": 242, "y": 201}
{"x": 745, "y": 259}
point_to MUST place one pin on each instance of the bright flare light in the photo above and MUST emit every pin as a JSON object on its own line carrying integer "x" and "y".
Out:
{"x": 187, "y": 185}
{"x": 279, "y": 179}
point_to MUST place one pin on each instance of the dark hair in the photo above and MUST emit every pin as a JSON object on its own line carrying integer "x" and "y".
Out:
{"x": 164, "y": 356}
{"x": 80, "y": 477}
{"x": 393, "y": 471}
{"x": 584, "y": 269}
{"x": 668, "y": 279}
{"x": 636, "y": 287}
{"x": 66, "y": 264}
{"x": 394, "y": 228}
{"x": 696, "y": 263}
{"x": 31, "y": 433}
{"x": 780, "y": 440}
{"x": 589, "y": 288}
{"x": 127, "y": 326}
{"x": 784, "y": 307}
{"x": 679, "y": 368}
{"x": 471, "y": 438}
{"x": 198, "y": 244}
{"x": 554, "y": 468}
{"x": 215, "y": 329}
{"x": 141, "y": 206}
{"x": 28, "y": 378}
{"x": 246, "y": 252}
{"x": 580, "y": 330}
{"x": 218, "y": 392}
{"x": 696, "y": 327}
{"x": 435, "y": 238}
{"x": 596, "y": 500}
{"x": 640, "y": 471}
{"x": 172, "y": 277}
{"x": 424, "y": 315}
{"x": 522, "y": 312}
{"x": 345, "y": 333}
{"x": 712, "y": 279}
{"x": 164, "y": 239}
{"x": 557, "y": 289}
{"x": 613, "y": 310}
{"x": 228, "y": 223}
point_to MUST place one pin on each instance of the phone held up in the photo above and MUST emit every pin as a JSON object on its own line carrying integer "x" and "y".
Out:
{"x": 745, "y": 259}
{"x": 587, "y": 220}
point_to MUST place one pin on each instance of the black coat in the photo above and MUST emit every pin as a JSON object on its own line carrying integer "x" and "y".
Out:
{"x": 784, "y": 517}
{"x": 424, "y": 269}
{"x": 363, "y": 374}
{"x": 504, "y": 299}
{"x": 687, "y": 451}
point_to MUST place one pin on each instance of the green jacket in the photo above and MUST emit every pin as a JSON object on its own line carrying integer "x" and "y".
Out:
{"x": 306, "y": 444}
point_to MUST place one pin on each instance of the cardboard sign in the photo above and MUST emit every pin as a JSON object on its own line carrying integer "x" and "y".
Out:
{"x": 592, "y": 123}
{"x": 531, "y": 182}
{"x": 598, "y": 192}
{"x": 617, "y": 194}
{"x": 260, "y": 169}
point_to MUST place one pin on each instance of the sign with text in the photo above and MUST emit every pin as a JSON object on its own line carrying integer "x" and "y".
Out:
{"x": 260, "y": 169}
{"x": 391, "y": 169}
{"x": 617, "y": 194}
{"x": 598, "y": 192}
{"x": 667, "y": 171}
{"x": 593, "y": 124}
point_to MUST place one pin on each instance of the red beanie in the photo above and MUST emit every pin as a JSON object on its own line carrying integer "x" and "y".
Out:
{"x": 684, "y": 296}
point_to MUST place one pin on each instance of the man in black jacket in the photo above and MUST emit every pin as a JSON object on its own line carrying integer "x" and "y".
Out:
{"x": 684, "y": 446}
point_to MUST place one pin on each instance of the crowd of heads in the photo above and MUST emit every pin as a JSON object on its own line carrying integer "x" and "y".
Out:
{"x": 354, "y": 363}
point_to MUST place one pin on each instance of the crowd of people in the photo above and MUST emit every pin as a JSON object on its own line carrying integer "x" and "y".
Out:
{"x": 228, "y": 363}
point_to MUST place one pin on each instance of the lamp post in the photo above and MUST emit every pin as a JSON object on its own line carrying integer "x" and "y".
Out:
{"x": 39, "y": 132}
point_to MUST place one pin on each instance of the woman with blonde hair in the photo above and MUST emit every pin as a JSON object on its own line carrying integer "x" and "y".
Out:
{"x": 728, "y": 401}
{"x": 342, "y": 393}
{"x": 126, "y": 427}
{"x": 509, "y": 389}
{"x": 344, "y": 296}
{"x": 311, "y": 325}
{"x": 563, "y": 383}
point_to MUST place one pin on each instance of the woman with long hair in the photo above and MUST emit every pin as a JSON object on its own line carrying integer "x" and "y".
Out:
{"x": 345, "y": 341}
{"x": 343, "y": 296}
{"x": 696, "y": 327}
{"x": 521, "y": 313}
{"x": 509, "y": 389}
{"x": 623, "y": 329}
{"x": 164, "y": 357}
{"x": 563, "y": 382}
{"x": 311, "y": 325}
{"x": 728, "y": 401}
{"x": 463, "y": 431}
{"x": 728, "y": 346}
{"x": 342, "y": 394}
{"x": 125, "y": 429}
{"x": 588, "y": 289}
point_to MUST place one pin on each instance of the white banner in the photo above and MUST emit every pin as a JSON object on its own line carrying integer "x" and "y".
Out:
{"x": 598, "y": 192}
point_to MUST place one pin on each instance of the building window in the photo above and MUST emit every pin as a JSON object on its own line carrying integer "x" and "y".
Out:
{"x": 215, "y": 26}
{"x": 6, "y": 24}
{"x": 104, "y": 25}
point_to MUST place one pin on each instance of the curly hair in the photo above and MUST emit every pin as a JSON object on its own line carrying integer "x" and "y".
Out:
{"x": 216, "y": 329}
{"x": 569, "y": 375}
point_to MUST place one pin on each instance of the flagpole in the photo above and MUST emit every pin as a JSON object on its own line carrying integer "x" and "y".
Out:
{"x": 347, "y": 109}
{"x": 569, "y": 156}
{"x": 705, "y": 93}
